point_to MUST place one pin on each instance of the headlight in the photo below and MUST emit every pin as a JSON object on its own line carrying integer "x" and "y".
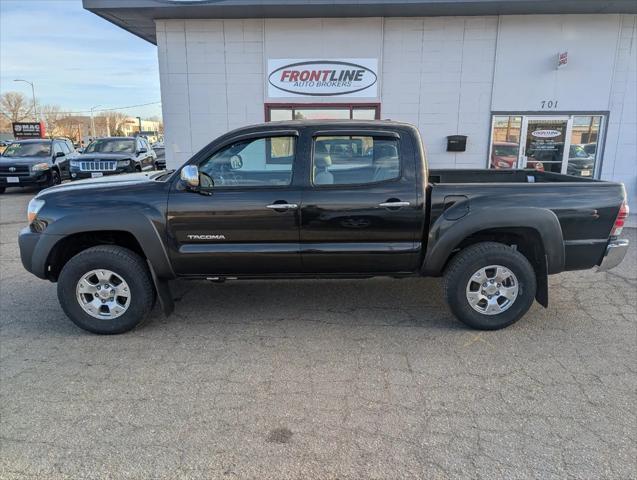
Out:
{"x": 40, "y": 167}
{"x": 74, "y": 163}
{"x": 123, "y": 163}
{"x": 35, "y": 205}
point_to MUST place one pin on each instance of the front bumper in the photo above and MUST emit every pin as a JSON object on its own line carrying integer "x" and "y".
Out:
{"x": 35, "y": 249}
{"x": 77, "y": 174}
{"x": 615, "y": 253}
{"x": 35, "y": 178}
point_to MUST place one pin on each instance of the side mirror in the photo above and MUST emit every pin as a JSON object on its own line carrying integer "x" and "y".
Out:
{"x": 142, "y": 150}
{"x": 190, "y": 176}
{"x": 59, "y": 154}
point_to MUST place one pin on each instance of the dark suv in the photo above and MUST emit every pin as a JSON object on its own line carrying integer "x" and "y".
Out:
{"x": 113, "y": 155}
{"x": 35, "y": 163}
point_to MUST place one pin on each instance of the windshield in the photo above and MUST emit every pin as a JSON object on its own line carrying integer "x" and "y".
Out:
{"x": 31, "y": 149}
{"x": 111, "y": 145}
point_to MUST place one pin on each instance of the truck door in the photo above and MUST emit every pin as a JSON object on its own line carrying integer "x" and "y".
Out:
{"x": 361, "y": 212}
{"x": 249, "y": 224}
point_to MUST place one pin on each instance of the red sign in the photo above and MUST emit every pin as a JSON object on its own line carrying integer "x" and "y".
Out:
{"x": 562, "y": 59}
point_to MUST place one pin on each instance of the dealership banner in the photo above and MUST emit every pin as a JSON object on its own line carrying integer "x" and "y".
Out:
{"x": 348, "y": 77}
{"x": 28, "y": 130}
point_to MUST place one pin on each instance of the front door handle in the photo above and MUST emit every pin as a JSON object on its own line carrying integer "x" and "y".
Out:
{"x": 394, "y": 204}
{"x": 282, "y": 206}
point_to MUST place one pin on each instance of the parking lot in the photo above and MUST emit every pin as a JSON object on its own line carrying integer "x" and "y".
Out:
{"x": 318, "y": 379}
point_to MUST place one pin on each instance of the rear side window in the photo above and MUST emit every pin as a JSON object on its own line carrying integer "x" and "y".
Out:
{"x": 256, "y": 162}
{"x": 354, "y": 160}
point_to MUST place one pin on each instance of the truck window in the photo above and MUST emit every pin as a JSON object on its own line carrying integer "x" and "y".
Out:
{"x": 253, "y": 162}
{"x": 354, "y": 160}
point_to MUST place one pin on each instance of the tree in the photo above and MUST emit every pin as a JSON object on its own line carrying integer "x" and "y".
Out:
{"x": 15, "y": 107}
{"x": 116, "y": 122}
{"x": 52, "y": 114}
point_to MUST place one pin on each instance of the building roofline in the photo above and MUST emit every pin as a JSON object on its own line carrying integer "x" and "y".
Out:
{"x": 138, "y": 16}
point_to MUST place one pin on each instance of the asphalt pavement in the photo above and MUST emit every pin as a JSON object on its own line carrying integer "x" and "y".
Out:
{"x": 318, "y": 379}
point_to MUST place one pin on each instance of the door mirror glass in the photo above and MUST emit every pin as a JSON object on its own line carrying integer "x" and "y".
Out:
{"x": 142, "y": 150}
{"x": 59, "y": 154}
{"x": 190, "y": 176}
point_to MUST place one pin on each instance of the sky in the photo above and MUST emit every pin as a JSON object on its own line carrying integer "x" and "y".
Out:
{"x": 75, "y": 59}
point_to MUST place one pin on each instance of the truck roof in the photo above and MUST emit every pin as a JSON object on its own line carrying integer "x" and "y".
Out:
{"x": 293, "y": 124}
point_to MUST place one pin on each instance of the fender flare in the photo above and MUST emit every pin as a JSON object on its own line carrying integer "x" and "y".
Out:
{"x": 142, "y": 226}
{"x": 445, "y": 235}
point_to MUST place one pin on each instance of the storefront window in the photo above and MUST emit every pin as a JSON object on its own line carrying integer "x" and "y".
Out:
{"x": 278, "y": 112}
{"x": 567, "y": 144}
{"x": 583, "y": 151}
{"x": 364, "y": 113}
{"x": 505, "y": 143}
{"x": 321, "y": 114}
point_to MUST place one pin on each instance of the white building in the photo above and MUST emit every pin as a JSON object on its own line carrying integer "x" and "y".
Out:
{"x": 549, "y": 85}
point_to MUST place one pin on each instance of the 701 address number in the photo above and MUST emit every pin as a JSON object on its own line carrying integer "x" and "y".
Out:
{"x": 548, "y": 104}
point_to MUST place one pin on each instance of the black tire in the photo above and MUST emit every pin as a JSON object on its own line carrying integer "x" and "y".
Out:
{"x": 55, "y": 178}
{"x": 127, "y": 264}
{"x": 472, "y": 259}
{"x": 2, "y": 189}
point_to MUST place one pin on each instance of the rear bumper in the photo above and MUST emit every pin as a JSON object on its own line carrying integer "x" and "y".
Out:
{"x": 615, "y": 253}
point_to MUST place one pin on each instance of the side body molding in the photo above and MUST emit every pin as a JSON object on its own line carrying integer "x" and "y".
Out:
{"x": 445, "y": 235}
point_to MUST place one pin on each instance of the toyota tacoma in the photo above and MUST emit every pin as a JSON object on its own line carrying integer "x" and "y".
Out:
{"x": 342, "y": 199}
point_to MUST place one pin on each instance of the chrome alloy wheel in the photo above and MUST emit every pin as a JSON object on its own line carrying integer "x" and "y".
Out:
{"x": 492, "y": 290}
{"x": 103, "y": 294}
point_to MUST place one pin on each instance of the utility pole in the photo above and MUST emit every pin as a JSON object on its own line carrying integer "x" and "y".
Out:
{"x": 35, "y": 111}
{"x": 139, "y": 119}
{"x": 93, "y": 121}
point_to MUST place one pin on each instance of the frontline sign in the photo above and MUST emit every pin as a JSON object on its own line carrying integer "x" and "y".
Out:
{"x": 355, "y": 77}
{"x": 546, "y": 133}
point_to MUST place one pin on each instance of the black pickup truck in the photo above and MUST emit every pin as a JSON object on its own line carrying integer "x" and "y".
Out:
{"x": 344, "y": 199}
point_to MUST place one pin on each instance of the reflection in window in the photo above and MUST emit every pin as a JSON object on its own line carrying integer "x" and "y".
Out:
{"x": 364, "y": 113}
{"x": 321, "y": 114}
{"x": 505, "y": 141}
{"x": 345, "y": 160}
{"x": 254, "y": 162}
{"x": 582, "y": 155}
{"x": 280, "y": 114}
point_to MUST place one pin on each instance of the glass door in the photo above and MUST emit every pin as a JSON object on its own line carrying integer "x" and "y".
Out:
{"x": 544, "y": 141}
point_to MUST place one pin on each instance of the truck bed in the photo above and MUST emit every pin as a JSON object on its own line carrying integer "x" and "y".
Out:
{"x": 586, "y": 208}
{"x": 501, "y": 176}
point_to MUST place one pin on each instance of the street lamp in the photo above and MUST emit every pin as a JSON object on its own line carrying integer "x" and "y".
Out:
{"x": 93, "y": 121}
{"x": 35, "y": 112}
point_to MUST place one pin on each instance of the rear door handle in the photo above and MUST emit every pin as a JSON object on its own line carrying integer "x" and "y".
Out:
{"x": 393, "y": 204}
{"x": 282, "y": 206}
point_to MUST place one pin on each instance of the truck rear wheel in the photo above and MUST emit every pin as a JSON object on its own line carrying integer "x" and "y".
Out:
{"x": 489, "y": 285}
{"x": 106, "y": 289}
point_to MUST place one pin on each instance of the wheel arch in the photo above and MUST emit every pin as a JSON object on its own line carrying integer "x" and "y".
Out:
{"x": 535, "y": 232}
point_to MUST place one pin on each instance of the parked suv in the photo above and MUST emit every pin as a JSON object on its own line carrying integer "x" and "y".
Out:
{"x": 160, "y": 150}
{"x": 35, "y": 163}
{"x": 113, "y": 155}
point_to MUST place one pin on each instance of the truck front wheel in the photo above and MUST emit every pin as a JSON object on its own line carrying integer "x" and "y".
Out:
{"x": 489, "y": 285}
{"x": 106, "y": 289}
